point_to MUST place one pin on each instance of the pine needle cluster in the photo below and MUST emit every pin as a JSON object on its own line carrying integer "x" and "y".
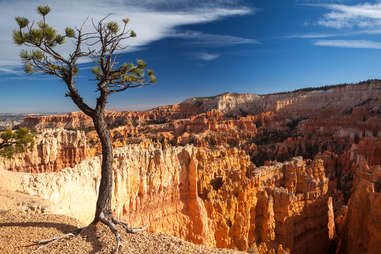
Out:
{"x": 17, "y": 141}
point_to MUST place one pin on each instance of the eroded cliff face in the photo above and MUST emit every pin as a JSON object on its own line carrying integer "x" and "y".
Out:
{"x": 78, "y": 120}
{"x": 270, "y": 127}
{"x": 210, "y": 197}
{"x": 360, "y": 225}
{"x": 296, "y": 204}
{"x": 227, "y": 189}
{"x": 54, "y": 149}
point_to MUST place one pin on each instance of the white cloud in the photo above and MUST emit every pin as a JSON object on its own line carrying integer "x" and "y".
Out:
{"x": 152, "y": 20}
{"x": 207, "y": 57}
{"x": 355, "y": 20}
{"x": 329, "y": 35}
{"x": 364, "y": 44}
{"x": 11, "y": 70}
{"x": 310, "y": 36}
{"x": 347, "y": 16}
{"x": 212, "y": 40}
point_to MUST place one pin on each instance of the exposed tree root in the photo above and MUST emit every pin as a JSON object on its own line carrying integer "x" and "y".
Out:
{"x": 46, "y": 242}
{"x": 127, "y": 228}
{"x": 111, "y": 223}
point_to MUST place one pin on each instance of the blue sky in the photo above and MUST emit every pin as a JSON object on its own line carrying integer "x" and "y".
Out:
{"x": 203, "y": 48}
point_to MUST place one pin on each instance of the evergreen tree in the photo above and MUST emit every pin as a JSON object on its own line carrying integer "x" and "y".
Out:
{"x": 43, "y": 43}
{"x": 17, "y": 141}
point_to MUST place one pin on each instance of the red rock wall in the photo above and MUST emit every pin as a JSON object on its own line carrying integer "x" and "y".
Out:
{"x": 361, "y": 227}
{"x": 219, "y": 198}
{"x": 293, "y": 207}
{"x": 53, "y": 150}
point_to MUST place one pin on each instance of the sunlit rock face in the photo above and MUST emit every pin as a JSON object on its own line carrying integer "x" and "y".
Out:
{"x": 360, "y": 224}
{"x": 225, "y": 170}
{"x": 78, "y": 120}
{"x": 215, "y": 198}
{"x": 54, "y": 149}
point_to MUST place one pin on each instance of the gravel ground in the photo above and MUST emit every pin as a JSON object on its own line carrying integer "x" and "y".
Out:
{"x": 18, "y": 230}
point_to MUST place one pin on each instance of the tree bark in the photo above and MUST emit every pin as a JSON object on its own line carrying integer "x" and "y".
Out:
{"x": 103, "y": 207}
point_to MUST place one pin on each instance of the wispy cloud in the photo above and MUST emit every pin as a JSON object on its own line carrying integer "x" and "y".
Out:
{"x": 9, "y": 70}
{"x": 206, "y": 56}
{"x": 197, "y": 38}
{"x": 348, "y": 16}
{"x": 310, "y": 36}
{"x": 330, "y": 35}
{"x": 29, "y": 77}
{"x": 363, "y": 44}
{"x": 351, "y": 21}
{"x": 152, "y": 20}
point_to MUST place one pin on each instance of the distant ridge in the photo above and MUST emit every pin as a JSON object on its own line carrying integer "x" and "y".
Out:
{"x": 327, "y": 87}
{"x": 306, "y": 89}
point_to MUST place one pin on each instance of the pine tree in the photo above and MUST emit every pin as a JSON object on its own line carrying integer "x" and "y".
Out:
{"x": 43, "y": 42}
{"x": 17, "y": 141}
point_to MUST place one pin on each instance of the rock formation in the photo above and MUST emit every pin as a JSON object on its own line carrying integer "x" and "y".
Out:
{"x": 54, "y": 149}
{"x": 225, "y": 170}
{"x": 215, "y": 198}
{"x": 361, "y": 227}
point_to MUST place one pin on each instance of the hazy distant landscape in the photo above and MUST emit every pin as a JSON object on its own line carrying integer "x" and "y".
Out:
{"x": 11, "y": 120}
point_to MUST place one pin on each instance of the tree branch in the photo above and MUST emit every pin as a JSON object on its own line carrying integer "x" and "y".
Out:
{"x": 78, "y": 100}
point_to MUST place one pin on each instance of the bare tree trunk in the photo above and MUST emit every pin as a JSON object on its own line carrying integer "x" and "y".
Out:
{"x": 103, "y": 208}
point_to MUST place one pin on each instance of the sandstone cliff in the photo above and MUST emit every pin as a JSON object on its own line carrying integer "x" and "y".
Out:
{"x": 54, "y": 149}
{"x": 235, "y": 183}
{"x": 361, "y": 225}
{"x": 215, "y": 198}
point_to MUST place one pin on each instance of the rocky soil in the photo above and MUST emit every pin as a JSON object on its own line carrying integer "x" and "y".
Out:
{"x": 18, "y": 231}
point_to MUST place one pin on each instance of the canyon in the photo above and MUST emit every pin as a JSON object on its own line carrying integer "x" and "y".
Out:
{"x": 296, "y": 172}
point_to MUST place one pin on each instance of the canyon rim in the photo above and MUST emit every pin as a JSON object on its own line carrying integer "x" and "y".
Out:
{"x": 295, "y": 172}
